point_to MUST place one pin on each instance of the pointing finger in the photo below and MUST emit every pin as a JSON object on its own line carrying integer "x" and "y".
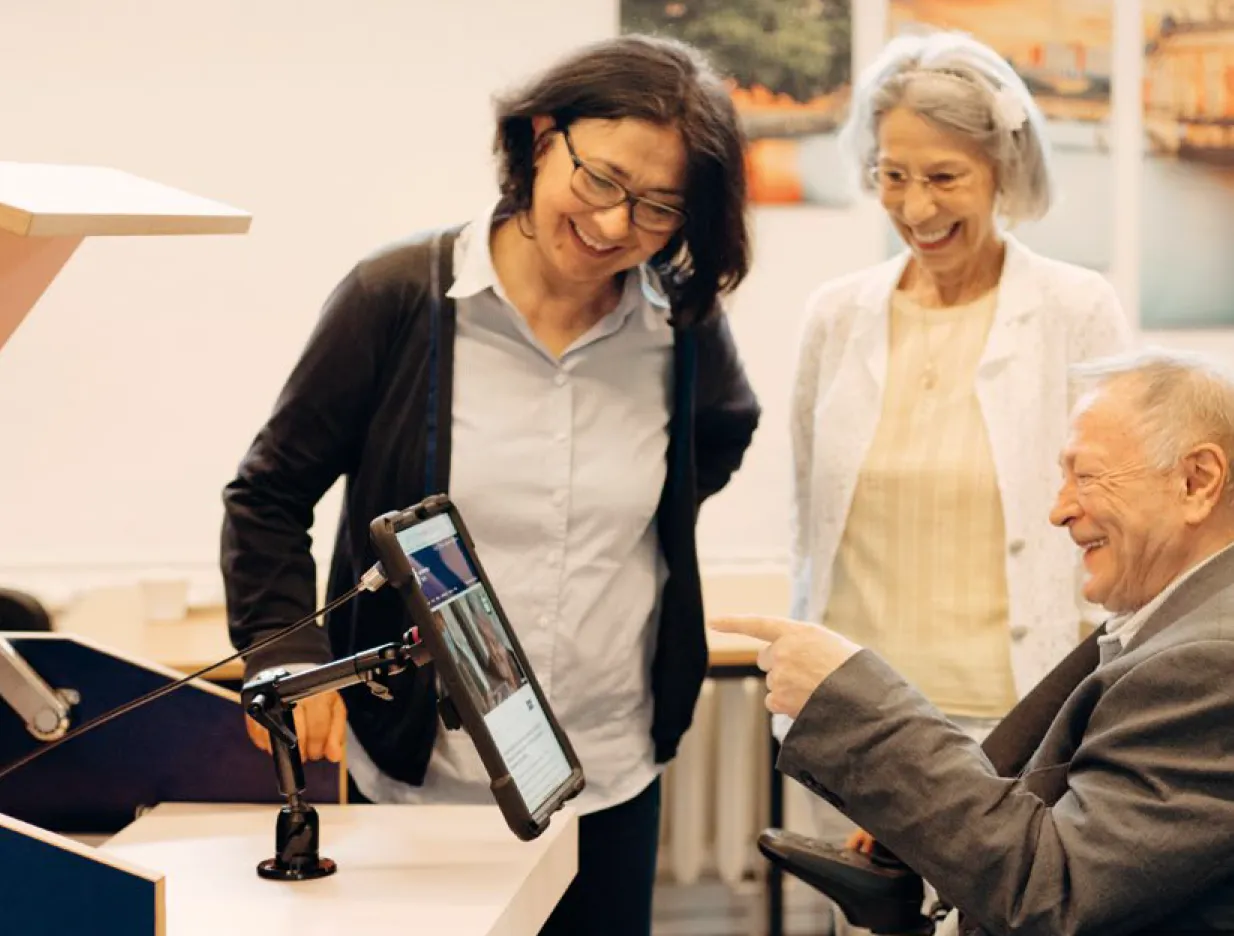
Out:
{"x": 760, "y": 628}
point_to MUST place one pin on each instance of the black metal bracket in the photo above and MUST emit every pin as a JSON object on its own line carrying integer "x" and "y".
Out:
{"x": 270, "y": 699}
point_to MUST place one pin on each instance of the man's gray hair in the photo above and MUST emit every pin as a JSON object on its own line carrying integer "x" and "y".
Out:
{"x": 1183, "y": 400}
{"x": 968, "y": 89}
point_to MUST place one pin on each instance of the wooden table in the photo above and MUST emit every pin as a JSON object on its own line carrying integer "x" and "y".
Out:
{"x": 115, "y": 617}
{"x": 453, "y": 870}
{"x": 732, "y": 655}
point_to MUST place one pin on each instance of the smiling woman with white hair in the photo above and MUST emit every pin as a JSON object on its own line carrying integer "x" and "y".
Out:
{"x": 968, "y": 91}
{"x": 931, "y": 396}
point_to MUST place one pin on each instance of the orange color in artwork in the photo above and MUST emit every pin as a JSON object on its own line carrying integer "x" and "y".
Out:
{"x": 772, "y": 171}
{"x": 759, "y": 97}
{"x": 1013, "y": 26}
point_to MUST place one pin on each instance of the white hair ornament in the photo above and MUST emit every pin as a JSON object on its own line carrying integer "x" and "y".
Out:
{"x": 1009, "y": 109}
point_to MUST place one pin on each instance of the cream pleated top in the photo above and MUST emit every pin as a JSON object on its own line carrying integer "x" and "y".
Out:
{"x": 919, "y": 576}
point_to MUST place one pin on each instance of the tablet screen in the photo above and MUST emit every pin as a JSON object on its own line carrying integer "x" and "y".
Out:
{"x": 477, "y": 640}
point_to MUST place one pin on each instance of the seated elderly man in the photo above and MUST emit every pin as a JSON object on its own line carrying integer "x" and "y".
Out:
{"x": 1123, "y": 819}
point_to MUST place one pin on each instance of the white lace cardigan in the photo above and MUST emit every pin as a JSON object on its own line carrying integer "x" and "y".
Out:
{"x": 1050, "y": 315}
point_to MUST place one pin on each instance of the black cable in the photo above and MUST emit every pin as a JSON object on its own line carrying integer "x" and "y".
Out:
{"x": 172, "y": 687}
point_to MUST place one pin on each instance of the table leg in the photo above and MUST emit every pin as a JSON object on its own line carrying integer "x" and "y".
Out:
{"x": 775, "y": 877}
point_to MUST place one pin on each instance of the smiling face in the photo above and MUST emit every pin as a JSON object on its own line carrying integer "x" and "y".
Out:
{"x": 579, "y": 243}
{"x": 947, "y": 221}
{"x": 1134, "y": 522}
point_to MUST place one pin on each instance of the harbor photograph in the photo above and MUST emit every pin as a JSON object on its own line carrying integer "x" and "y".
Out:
{"x": 1187, "y": 207}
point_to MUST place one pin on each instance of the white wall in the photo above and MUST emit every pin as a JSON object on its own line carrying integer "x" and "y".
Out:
{"x": 133, "y": 388}
{"x": 130, "y": 393}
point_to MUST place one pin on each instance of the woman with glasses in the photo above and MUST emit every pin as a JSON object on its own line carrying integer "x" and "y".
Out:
{"x": 562, "y": 368}
{"x": 931, "y": 397}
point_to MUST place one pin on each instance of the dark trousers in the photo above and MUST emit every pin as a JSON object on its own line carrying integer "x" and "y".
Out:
{"x": 611, "y": 894}
{"x": 354, "y": 796}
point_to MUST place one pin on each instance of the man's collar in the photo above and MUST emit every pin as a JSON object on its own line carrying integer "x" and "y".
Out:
{"x": 1168, "y": 604}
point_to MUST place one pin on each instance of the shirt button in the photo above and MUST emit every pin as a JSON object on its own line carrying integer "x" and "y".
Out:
{"x": 560, "y": 380}
{"x": 1018, "y": 632}
{"x": 1015, "y": 547}
{"x": 543, "y": 621}
{"x": 561, "y": 438}
{"x": 559, "y": 498}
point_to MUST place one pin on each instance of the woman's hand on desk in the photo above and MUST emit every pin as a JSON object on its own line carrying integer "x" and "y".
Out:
{"x": 321, "y": 727}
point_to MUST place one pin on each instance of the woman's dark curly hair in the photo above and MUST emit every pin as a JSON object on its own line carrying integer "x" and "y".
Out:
{"x": 664, "y": 82}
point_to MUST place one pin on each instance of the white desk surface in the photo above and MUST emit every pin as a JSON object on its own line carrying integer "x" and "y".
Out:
{"x": 48, "y": 200}
{"x": 414, "y": 870}
{"x": 46, "y": 210}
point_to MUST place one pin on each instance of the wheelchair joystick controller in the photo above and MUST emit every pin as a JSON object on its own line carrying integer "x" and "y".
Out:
{"x": 877, "y": 892}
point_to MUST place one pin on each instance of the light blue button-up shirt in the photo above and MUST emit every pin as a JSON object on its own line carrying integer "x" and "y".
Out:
{"x": 557, "y": 465}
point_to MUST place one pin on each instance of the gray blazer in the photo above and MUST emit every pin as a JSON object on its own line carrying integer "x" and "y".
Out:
{"x": 1122, "y": 821}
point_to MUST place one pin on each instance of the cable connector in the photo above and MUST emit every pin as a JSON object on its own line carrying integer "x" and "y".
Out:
{"x": 374, "y": 578}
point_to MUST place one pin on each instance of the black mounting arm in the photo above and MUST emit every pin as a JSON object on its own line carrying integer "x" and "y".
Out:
{"x": 269, "y": 698}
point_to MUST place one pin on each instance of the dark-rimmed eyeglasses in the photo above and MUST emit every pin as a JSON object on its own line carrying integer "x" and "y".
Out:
{"x": 599, "y": 190}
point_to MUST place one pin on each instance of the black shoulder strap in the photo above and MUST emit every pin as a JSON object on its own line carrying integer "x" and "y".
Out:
{"x": 440, "y": 362}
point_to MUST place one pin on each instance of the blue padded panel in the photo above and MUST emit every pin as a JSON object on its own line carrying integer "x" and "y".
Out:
{"x": 189, "y": 746}
{"x": 48, "y": 891}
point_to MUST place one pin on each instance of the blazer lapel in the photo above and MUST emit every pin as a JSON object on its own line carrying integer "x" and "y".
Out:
{"x": 1019, "y": 297}
{"x": 846, "y": 415}
{"x": 1015, "y": 739}
{"x": 1217, "y": 576}
{"x": 871, "y": 326}
{"x": 1006, "y": 382}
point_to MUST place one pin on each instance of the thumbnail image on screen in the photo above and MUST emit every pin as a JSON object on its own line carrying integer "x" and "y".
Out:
{"x": 485, "y": 660}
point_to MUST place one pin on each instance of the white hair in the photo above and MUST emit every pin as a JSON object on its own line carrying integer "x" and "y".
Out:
{"x": 968, "y": 89}
{"x": 1183, "y": 400}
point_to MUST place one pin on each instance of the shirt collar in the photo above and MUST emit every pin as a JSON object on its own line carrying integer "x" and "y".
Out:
{"x": 473, "y": 259}
{"x": 474, "y": 270}
{"x": 1124, "y": 627}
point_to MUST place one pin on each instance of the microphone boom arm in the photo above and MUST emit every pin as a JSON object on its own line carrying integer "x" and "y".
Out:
{"x": 45, "y": 711}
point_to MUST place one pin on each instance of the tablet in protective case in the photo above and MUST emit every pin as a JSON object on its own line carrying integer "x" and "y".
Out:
{"x": 430, "y": 559}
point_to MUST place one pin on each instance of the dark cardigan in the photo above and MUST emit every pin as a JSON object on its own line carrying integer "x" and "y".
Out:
{"x": 370, "y": 399}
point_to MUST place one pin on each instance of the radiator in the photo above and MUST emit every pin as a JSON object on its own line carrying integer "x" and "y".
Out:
{"x": 716, "y": 791}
